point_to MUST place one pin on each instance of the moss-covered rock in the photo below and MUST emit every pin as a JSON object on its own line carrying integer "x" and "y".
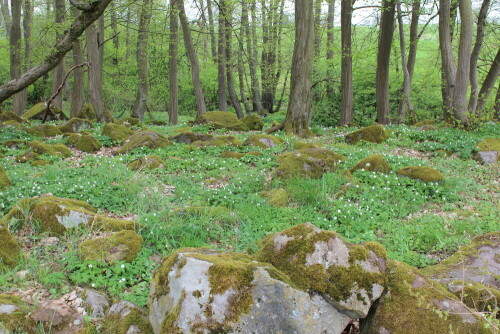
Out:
{"x": 477, "y": 296}
{"x": 44, "y": 131}
{"x": 349, "y": 276}
{"x": 132, "y": 121}
{"x": 10, "y": 116}
{"x": 117, "y": 132}
{"x": 276, "y": 197}
{"x": 425, "y": 174}
{"x": 221, "y": 120}
{"x": 373, "y": 133}
{"x": 218, "y": 141}
{"x": 60, "y": 150}
{"x": 75, "y": 125}
{"x": 14, "y": 124}
{"x": 148, "y": 163}
{"x": 488, "y": 149}
{"x": 373, "y": 163}
{"x": 4, "y": 179}
{"x": 145, "y": 138}
{"x": 189, "y": 137}
{"x": 105, "y": 223}
{"x": 121, "y": 246}
{"x": 52, "y": 214}
{"x": 237, "y": 155}
{"x": 124, "y": 317}
{"x": 13, "y": 314}
{"x": 87, "y": 112}
{"x": 416, "y": 304}
{"x": 15, "y": 144}
{"x": 299, "y": 145}
{"x": 27, "y": 157}
{"x": 253, "y": 122}
{"x": 263, "y": 141}
{"x": 38, "y": 112}
{"x": 10, "y": 252}
{"x": 156, "y": 122}
{"x": 85, "y": 143}
{"x": 310, "y": 163}
{"x": 38, "y": 163}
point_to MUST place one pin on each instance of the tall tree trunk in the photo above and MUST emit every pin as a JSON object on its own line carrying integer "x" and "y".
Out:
{"x": 329, "y": 45}
{"x": 447, "y": 61}
{"x": 481, "y": 22}
{"x": 4, "y": 7}
{"x": 383, "y": 60}
{"x": 347, "y": 107}
{"x": 193, "y": 60}
{"x": 77, "y": 95}
{"x": 405, "y": 100}
{"x": 251, "y": 32}
{"x": 241, "y": 80}
{"x": 94, "y": 72}
{"x": 141, "y": 101}
{"x": 58, "y": 74}
{"x": 173, "y": 104}
{"x": 317, "y": 27}
{"x": 221, "y": 58}
{"x": 16, "y": 53}
{"x": 489, "y": 83}
{"x": 127, "y": 31}
{"x": 300, "y": 101}
{"x": 211, "y": 29}
{"x": 114, "y": 27}
{"x": 229, "y": 63}
{"x": 497, "y": 105}
{"x": 27, "y": 22}
{"x": 203, "y": 26}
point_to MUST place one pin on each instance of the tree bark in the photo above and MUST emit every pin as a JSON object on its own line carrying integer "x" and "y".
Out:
{"x": 300, "y": 101}
{"x": 481, "y": 23}
{"x": 329, "y": 44}
{"x": 489, "y": 83}
{"x": 58, "y": 73}
{"x": 62, "y": 46}
{"x": 173, "y": 104}
{"x": 221, "y": 57}
{"x": 27, "y": 23}
{"x": 229, "y": 63}
{"x": 193, "y": 60}
{"x": 405, "y": 100}
{"x": 127, "y": 31}
{"x": 18, "y": 102}
{"x": 94, "y": 73}
{"x": 114, "y": 27}
{"x": 317, "y": 27}
{"x": 141, "y": 101}
{"x": 447, "y": 61}
{"x": 241, "y": 80}
{"x": 252, "y": 51}
{"x": 383, "y": 61}
{"x": 213, "y": 40}
{"x": 4, "y": 7}
{"x": 497, "y": 105}
{"x": 347, "y": 105}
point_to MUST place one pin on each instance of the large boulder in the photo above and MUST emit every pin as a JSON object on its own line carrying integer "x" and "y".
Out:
{"x": 218, "y": 141}
{"x": 75, "y": 125}
{"x": 85, "y": 143}
{"x": 424, "y": 174}
{"x": 59, "y": 150}
{"x": 373, "y": 163}
{"x": 10, "y": 252}
{"x": 253, "y": 122}
{"x": 189, "y": 137}
{"x": 146, "y": 138}
{"x": 123, "y": 317}
{"x": 120, "y": 246}
{"x": 44, "y": 131}
{"x": 373, "y": 133}
{"x": 415, "y": 304}
{"x": 221, "y": 120}
{"x": 263, "y": 141}
{"x": 117, "y": 132}
{"x": 87, "y": 112}
{"x": 4, "y": 179}
{"x": 204, "y": 291}
{"x": 10, "y": 116}
{"x": 309, "y": 163}
{"x": 38, "y": 112}
{"x": 489, "y": 150}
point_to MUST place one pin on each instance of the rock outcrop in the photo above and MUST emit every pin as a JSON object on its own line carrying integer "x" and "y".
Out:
{"x": 146, "y": 138}
{"x": 309, "y": 163}
{"x": 373, "y": 133}
{"x": 221, "y": 120}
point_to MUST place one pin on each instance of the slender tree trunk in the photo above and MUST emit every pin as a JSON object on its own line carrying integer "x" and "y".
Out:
{"x": 253, "y": 55}
{"x": 4, "y": 7}
{"x": 27, "y": 22}
{"x": 489, "y": 83}
{"x": 317, "y": 27}
{"x": 213, "y": 40}
{"x": 229, "y": 64}
{"x": 77, "y": 95}
{"x": 127, "y": 31}
{"x": 383, "y": 61}
{"x": 447, "y": 61}
{"x": 193, "y": 60}
{"x": 94, "y": 72}
{"x": 347, "y": 107}
{"x": 141, "y": 101}
{"x": 481, "y": 22}
{"x": 241, "y": 80}
{"x": 221, "y": 59}
{"x": 58, "y": 74}
{"x": 497, "y": 105}
{"x": 329, "y": 44}
{"x": 114, "y": 27}
{"x": 16, "y": 53}
{"x": 405, "y": 100}
{"x": 173, "y": 104}
{"x": 300, "y": 101}
{"x": 203, "y": 26}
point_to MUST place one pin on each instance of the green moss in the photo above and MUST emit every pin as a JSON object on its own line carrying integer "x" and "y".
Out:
{"x": 168, "y": 326}
{"x": 55, "y": 149}
{"x": 38, "y": 163}
{"x": 156, "y": 122}
{"x": 87, "y": 112}
{"x": 85, "y": 143}
{"x": 373, "y": 163}
{"x": 115, "y": 225}
{"x": 114, "y": 324}
{"x": 477, "y": 296}
{"x": 373, "y": 133}
{"x": 10, "y": 252}
{"x": 117, "y": 132}
{"x": 145, "y": 138}
{"x": 4, "y": 179}
{"x": 148, "y": 163}
{"x": 299, "y": 145}
{"x": 121, "y": 246}
{"x": 276, "y": 197}
{"x": 311, "y": 163}
{"x": 44, "y": 130}
{"x": 411, "y": 306}
{"x": 253, "y": 122}
{"x": 37, "y": 112}
{"x": 17, "y": 319}
{"x": 132, "y": 121}
{"x": 263, "y": 141}
{"x": 75, "y": 125}
{"x": 218, "y": 141}
{"x": 221, "y": 120}
{"x": 490, "y": 144}
{"x": 237, "y": 155}
{"x": 10, "y": 116}
{"x": 27, "y": 157}
{"x": 13, "y": 124}
{"x": 15, "y": 143}
{"x": 188, "y": 137}
{"x": 425, "y": 174}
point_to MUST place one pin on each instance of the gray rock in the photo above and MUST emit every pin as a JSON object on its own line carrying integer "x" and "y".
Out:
{"x": 124, "y": 312}
{"x": 58, "y": 317}
{"x": 488, "y": 157}
{"x": 95, "y": 303}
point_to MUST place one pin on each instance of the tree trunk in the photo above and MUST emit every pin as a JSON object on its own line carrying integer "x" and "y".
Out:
{"x": 77, "y": 95}
{"x": 489, "y": 83}
{"x": 18, "y": 102}
{"x": 193, "y": 60}
{"x": 251, "y": 32}
{"x": 497, "y": 105}
{"x": 317, "y": 27}
{"x": 329, "y": 45}
{"x": 347, "y": 107}
{"x": 4, "y": 7}
{"x": 127, "y": 31}
{"x": 94, "y": 73}
{"x": 241, "y": 80}
{"x": 481, "y": 22}
{"x": 229, "y": 63}
{"x": 141, "y": 101}
{"x": 221, "y": 59}
{"x": 213, "y": 40}
{"x": 58, "y": 74}
{"x": 114, "y": 27}
{"x": 383, "y": 61}
{"x": 300, "y": 101}
{"x": 27, "y": 22}
{"x": 405, "y": 100}
{"x": 91, "y": 12}
{"x": 447, "y": 61}
{"x": 173, "y": 104}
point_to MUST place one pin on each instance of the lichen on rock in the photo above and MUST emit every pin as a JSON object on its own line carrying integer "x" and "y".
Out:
{"x": 221, "y": 120}
{"x": 117, "y": 132}
{"x": 85, "y": 143}
{"x": 147, "y": 163}
{"x": 121, "y": 246}
{"x": 373, "y": 133}
{"x": 373, "y": 163}
{"x": 311, "y": 163}
{"x": 424, "y": 174}
{"x": 263, "y": 141}
{"x": 145, "y": 138}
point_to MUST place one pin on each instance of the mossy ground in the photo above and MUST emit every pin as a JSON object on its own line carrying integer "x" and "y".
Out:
{"x": 425, "y": 174}
{"x": 121, "y": 246}
{"x": 373, "y": 163}
{"x": 117, "y": 132}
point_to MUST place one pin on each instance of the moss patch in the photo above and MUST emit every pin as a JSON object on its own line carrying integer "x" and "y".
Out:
{"x": 149, "y": 163}
{"x": 425, "y": 174}
{"x": 311, "y": 163}
{"x": 114, "y": 324}
{"x": 16, "y": 319}
{"x": 263, "y": 141}
{"x": 373, "y": 133}
{"x": 4, "y": 179}
{"x": 132, "y": 121}
{"x": 373, "y": 163}
{"x": 189, "y": 137}
{"x": 221, "y": 120}
{"x": 276, "y": 197}
{"x": 115, "y": 225}
{"x": 10, "y": 252}
{"x": 75, "y": 125}
{"x": 27, "y": 157}
{"x": 237, "y": 155}
{"x": 87, "y": 112}
{"x": 490, "y": 144}
{"x": 55, "y": 149}
{"x": 117, "y": 132}
{"x": 44, "y": 130}
{"x": 218, "y": 141}
{"x": 253, "y": 122}
{"x": 146, "y": 138}
{"x": 10, "y": 116}
{"x": 37, "y": 112}
{"x": 85, "y": 143}
{"x": 121, "y": 246}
